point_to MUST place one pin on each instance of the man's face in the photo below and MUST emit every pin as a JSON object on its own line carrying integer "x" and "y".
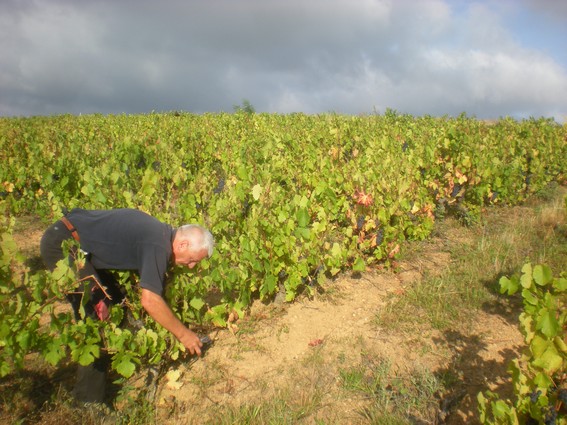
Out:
{"x": 184, "y": 252}
{"x": 187, "y": 256}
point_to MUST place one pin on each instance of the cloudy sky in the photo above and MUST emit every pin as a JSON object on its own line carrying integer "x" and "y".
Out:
{"x": 487, "y": 58}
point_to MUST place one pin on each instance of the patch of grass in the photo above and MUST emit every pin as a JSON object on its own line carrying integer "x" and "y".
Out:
{"x": 250, "y": 323}
{"x": 133, "y": 406}
{"x": 64, "y": 412}
{"x": 140, "y": 412}
{"x": 369, "y": 378}
{"x": 504, "y": 240}
{"x": 390, "y": 398}
{"x": 41, "y": 394}
{"x": 299, "y": 400}
{"x": 213, "y": 375}
{"x": 27, "y": 394}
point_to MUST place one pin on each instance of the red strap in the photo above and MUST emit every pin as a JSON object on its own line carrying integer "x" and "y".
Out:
{"x": 71, "y": 228}
{"x": 101, "y": 310}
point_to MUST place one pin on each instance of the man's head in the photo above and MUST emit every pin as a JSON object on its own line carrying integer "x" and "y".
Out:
{"x": 191, "y": 244}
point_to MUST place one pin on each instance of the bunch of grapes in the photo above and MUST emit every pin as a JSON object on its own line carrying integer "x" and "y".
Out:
{"x": 553, "y": 410}
{"x": 220, "y": 186}
{"x": 360, "y": 222}
{"x": 535, "y": 395}
{"x": 380, "y": 236}
{"x": 551, "y": 416}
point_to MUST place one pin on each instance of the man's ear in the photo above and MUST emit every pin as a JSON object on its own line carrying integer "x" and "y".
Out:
{"x": 180, "y": 244}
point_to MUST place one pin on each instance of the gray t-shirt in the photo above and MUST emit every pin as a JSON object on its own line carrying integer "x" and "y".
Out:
{"x": 126, "y": 239}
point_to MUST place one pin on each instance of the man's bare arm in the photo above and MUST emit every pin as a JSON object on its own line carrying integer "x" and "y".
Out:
{"x": 156, "y": 307}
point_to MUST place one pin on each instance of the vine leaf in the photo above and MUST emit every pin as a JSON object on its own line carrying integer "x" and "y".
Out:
{"x": 124, "y": 363}
{"x": 548, "y": 323}
{"x": 256, "y": 192}
{"x": 542, "y": 274}
{"x": 173, "y": 379}
{"x": 359, "y": 265}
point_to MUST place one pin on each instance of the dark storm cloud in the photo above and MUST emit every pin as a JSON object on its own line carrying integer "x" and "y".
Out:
{"x": 420, "y": 57}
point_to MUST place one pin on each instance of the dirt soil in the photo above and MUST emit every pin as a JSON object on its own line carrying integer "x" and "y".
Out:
{"x": 265, "y": 350}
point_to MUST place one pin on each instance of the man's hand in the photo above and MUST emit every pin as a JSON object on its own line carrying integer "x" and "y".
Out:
{"x": 156, "y": 307}
{"x": 192, "y": 342}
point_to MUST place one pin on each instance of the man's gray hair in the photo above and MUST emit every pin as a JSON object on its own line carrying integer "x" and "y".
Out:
{"x": 205, "y": 241}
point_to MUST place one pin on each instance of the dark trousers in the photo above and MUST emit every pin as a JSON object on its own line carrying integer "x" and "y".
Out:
{"x": 91, "y": 379}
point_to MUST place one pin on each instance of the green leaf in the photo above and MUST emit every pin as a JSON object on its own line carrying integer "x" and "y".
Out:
{"x": 242, "y": 172}
{"x": 527, "y": 326}
{"x": 303, "y": 202}
{"x": 100, "y": 197}
{"x": 124, "y": 364}
{"x": 303, "y": 217}
{"x": 560, "y": 284}
{"x": 55, "y": 354}
{"x": 24, "y": 339}
{"x": 518, "y": 378}
{"x": 334, "y": 271}
{"x": 197, "y": 303}
{"x": 303, "y": 232}
{"x": 529, "y": 297}
{"x": 538, "y": 345}
{"x": 560, "y": 344}
{"x": 336, "y": 250}
{"x": 542, "y": 380}
{"x": 217, "y": 315}
{"x": 542, "y": 275}
{"x": 526, "y": 279}
{"x": 359, "y": 265}
{"x": 5, "y": 368}
{"x": 282, "y": 216}
{"x": 88, "y": 354}
{"x": 482, "y": 406}
{"x": 4, "y": 332}
{"x": 62, "y": 271}
{"x": 550, "y": 361}
{"x": 510, "y": 286}
{"x": 547, "y": 323}
{"x": 501, "y": 409}
{"x": 269, "y": 285}
{"x": 239, "y": 307}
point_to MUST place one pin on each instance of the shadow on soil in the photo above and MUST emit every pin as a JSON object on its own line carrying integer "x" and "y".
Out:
{"x": 466, "y": 375}
{"x": 25, "y": 393}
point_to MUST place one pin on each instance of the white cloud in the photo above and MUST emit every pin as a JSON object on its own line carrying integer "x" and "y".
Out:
{"x": 421, "y": 57}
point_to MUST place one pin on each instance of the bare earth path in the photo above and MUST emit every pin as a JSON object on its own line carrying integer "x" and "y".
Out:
{"x": 276, "y": 345}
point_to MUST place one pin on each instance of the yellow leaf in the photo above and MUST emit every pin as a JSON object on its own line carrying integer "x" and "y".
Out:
{"x": 8, "y": 186}
{"x": 173, "y": 379}
{"x": 256, "y": 192}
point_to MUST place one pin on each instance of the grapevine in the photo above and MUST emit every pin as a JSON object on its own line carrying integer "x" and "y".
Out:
{"x": 290, "y": 199}
{"x": 540, "y": 375}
